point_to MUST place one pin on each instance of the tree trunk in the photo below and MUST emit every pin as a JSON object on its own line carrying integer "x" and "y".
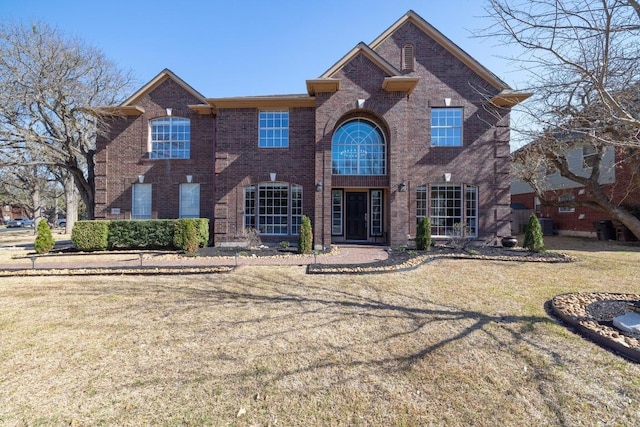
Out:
{"x": 71, "y": 198}
{"x": 621, "y": 214}
{"x": 37, "y": 209}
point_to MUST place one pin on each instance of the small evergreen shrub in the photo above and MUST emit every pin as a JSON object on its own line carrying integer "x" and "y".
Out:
{"x": 186, "y": 235}
{"x": 44, "y": 241}
{"x": 191, "y": 238}
{"x": 305, "y": 239}
{"x": 423, "y": 234}
{"x": 533, "y": 235}
{"x": 202, "y": 228}
{"x": 90, "y": 235}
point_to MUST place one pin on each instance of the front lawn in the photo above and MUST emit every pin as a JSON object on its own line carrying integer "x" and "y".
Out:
{"x": 454, "y": 342}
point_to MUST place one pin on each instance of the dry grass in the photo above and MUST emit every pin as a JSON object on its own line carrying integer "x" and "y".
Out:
{"x": 455, "y": 342}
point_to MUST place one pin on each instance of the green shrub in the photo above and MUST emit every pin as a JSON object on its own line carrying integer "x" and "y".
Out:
{"x": 90, "y": 235}
{"x": 187, "y": 234}
{"x": 533, "y": 235}
{"x": 305, "y": 239}
{"x": 202, "y": 228}
{"x": 44, "y": 241}
{"x": 423, "y": 234}
{"x": 138, "y": 234}
{"x": 191, "y": 238}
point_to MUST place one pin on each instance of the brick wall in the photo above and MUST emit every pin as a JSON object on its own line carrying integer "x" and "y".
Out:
{"x": 239, "y": 163}
{"x": 122, "y": 156}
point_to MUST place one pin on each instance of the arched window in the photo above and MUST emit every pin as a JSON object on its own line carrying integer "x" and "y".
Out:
{"x": 358, "y": 148}
{"x": 170, "y": 138}
{"x": 407, "y": 57}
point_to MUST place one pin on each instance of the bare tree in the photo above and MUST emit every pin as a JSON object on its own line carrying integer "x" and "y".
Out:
{"x": 582, "y": 58}
{"x": 50, "y": 88}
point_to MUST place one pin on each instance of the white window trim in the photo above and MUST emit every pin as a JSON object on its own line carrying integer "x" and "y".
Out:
{"x": 461, "y": 127}
{"x": 337, "y": 226}
{"x": 283, "y": 142}
{"x": 294, "y": 208}
{"x": 144, "y": 210}
{"x": 196, "y": 209}
{"x": 171, "y": 141}
{"x": 425, "y": 191}
{"x": 376, "y": 218}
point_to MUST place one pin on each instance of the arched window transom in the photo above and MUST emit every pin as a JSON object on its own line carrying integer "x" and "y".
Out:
{"x": 358, "y": 148}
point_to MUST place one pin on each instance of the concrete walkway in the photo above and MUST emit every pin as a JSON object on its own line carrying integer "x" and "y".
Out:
{"x": 343, "y": 255}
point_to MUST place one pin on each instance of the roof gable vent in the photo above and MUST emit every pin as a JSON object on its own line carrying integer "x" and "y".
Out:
{"x": 408, "y": 58}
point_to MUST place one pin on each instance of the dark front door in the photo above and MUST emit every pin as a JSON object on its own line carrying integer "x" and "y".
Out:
{"x": 356, "y": 216}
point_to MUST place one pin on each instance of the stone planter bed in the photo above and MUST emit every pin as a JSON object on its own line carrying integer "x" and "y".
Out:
{"x": 591, "y": 315}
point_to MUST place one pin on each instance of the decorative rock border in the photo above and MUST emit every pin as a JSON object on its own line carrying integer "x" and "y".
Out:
{"x": 410, "y": 260}
{"x": 572, "y": 309}
{"x": 142, "y": 271}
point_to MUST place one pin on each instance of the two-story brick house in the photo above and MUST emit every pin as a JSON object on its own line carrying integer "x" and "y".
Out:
{"x": 396, "y": 130}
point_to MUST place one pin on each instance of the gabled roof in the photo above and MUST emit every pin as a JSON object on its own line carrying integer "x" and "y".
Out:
{"x": 443, "y": 41}
{"x": 156, "y": 81}
{"x": 365, "y": 50}
{"x": 394, "y": 81}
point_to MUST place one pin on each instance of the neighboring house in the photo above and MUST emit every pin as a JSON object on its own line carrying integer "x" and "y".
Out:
{"x": 396, "y": 130}
{"x": 10, "y": 212}
{"x": 579, "y": 220}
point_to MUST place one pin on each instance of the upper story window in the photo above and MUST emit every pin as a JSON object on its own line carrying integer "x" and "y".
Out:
{"x": 446, "y": 127}
{"x": 358, "y": 148}
{"x": 170, "y": 138}
{"x": 273, "y": 129}
{"x": 408, "y": 57}
{"x": 567, "y": 197}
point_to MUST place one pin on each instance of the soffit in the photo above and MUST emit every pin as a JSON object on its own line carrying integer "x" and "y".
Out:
{"x": 261, "y": 102}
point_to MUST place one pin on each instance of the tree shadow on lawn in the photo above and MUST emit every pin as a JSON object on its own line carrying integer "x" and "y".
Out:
{"x": 301, "y": 306}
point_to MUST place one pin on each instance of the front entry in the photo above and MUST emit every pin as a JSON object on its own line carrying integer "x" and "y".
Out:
{"x": 356, "y": 216}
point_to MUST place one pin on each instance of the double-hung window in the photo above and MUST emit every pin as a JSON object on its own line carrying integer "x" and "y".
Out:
{"x": 446, "y": 127}
{"x": 170, "y": 138}
{"x": 189, "y": 200}
{"x": 567, "y": 197}
{"x": 141, "y": 201}
{"x": 273, "y": 129}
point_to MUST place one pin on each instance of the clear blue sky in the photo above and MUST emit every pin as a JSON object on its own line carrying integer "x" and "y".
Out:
{"x": 249, "y": 47}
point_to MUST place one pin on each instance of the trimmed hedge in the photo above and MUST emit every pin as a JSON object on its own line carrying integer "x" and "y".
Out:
{"x": 180, "y": 237}
{"x": 90, "y": 235}
{"x": 139, "y": 234}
